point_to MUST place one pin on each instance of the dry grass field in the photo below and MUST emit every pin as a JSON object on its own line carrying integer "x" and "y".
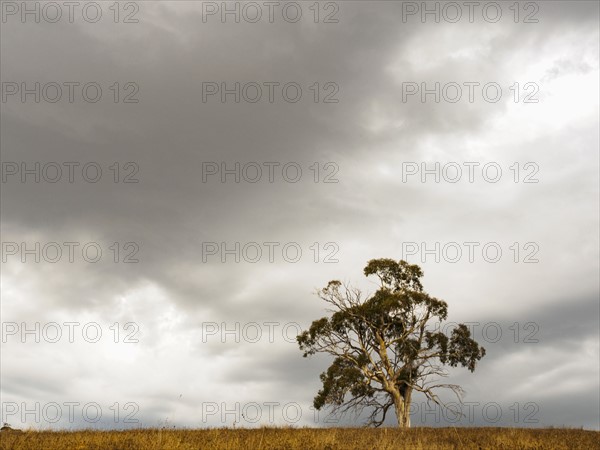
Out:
{"x": 305, "y": 438}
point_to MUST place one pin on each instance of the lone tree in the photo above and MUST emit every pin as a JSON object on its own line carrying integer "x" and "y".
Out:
{"x": 383, "y": 348}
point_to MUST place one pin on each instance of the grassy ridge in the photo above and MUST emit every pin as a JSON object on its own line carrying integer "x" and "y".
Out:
{"x": 305, "y": 438}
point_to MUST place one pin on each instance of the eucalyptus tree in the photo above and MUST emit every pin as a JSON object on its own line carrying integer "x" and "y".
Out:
{"x": 384, "y": 346}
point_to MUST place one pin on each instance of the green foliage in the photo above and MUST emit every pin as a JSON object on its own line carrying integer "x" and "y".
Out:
{"x": 341, "y": 377}
{"x": 397, "y": 275}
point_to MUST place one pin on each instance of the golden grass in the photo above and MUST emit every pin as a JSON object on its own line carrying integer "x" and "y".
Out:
{"x": 305, "y": 439}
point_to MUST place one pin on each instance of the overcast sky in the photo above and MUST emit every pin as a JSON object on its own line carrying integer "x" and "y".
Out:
{"x": 340, "y": 99}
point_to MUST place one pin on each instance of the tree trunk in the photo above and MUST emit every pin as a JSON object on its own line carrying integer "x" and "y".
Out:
{"x": 407, "y": 402}
{"x": 402, "y": 408}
